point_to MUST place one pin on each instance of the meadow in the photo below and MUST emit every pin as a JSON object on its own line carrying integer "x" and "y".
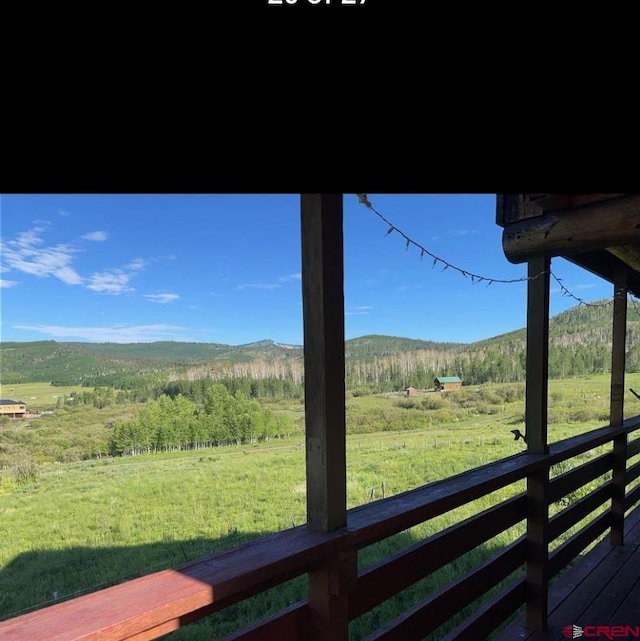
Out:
{"x": 72, "y": 527}
{"x": 37, "y": 396}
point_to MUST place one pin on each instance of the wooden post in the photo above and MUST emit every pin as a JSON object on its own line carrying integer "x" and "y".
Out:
{"x": 537, "y": 379}
{"x": 325, "y": 411}
{"x": 324, "y": 370}
{"x": 329, "y": 585}
{"x": 537, "y": 382}
{"x": 617, "y": 405}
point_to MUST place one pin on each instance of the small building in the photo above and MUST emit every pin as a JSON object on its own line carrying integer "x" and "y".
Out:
{"x": 14, "y": 409}
{"x": 411, "y": 391}
{"x": 446, "y": 383}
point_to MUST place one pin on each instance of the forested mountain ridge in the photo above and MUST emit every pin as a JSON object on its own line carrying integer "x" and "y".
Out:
{"x": 378, "y": 345}
{"x": 70, "y": 363}
{"x": 580, "y": 343}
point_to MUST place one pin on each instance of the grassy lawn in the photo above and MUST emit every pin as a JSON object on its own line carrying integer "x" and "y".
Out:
{"x": 72, "y": 527}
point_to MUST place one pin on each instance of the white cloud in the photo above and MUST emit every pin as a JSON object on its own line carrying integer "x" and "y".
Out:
{"x": 69, "y": 276}
{"x": 454, "y": 233}
{"x": 113, "y": 282}
{"x": 7, "y": 283}
{"x": 97, "y": 236}
{"x": 27, "y": 254}
{"x": 259, "y": 286}
{"x": 119, "y": 334}
{"x": 575, "y": 288}
{"x": 116, "y": 281}
{"x": 579, "y": 287}
{"x": 290, "y": 278}
{"x": 161, "y": 298}
{"x": 359, "y": 310}
{"x": 137, "y": 264}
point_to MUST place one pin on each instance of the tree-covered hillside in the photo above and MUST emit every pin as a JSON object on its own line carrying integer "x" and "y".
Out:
{"x": 70, "y": 363}
{"x": 580, "y": 344}
{"x": 376, "y": 345}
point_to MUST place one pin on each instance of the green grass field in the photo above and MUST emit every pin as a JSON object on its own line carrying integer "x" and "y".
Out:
{"x": 68, "y": 528}
{"x": 37, "y": 396}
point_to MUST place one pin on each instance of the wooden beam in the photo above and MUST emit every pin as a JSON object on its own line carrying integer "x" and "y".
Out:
{"x": 325, "y": 409}
{"x": 537, "y": 372}
{"x": 507, "y": 207}
{"x": 512, "y": 208}
{"x": 618, "y": 350}
{"x": 628, "y": 254}
{"x": 323, "y": 317}
{"x": 594, "y": 226}
{"x": 537, "y": 389}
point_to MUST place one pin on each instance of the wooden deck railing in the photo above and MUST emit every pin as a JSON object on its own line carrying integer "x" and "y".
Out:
{"x": 151, "y": 606}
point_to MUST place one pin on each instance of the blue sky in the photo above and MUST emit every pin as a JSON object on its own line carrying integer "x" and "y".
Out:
{"x": 226, "y": 269}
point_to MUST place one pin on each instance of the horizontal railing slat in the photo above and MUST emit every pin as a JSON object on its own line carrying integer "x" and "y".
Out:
{"x": 490, "y": 615}
{"x": 164, "y": 600}
{"x": 396, "y": 573}
{"x": 566, "y": 519}
{"x": 632, "y": 497}
{"x": 632, "y": 473}
{"x": 573, "y": 479}
{"x": 564, "y": 554}
{"x": 431, "y": 613}
{"x": 633, "y": 448}
{"x": 290, "y": 624}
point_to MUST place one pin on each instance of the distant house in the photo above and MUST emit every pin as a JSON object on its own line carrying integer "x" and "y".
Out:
{"x": 445, "y": 383}
{"x": 14, "y": 409}
{"x": 411, "y": 391}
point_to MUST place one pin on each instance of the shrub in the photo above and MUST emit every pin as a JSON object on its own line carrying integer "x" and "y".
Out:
{"x": 584, "y": 415}
{"x": 554, "y": 417}
{"x": 486, "y": 408}
{"x": 490, "y": 396}
{"x": 407, "y": 403}
{"x": 510, "y": 393}
{"x": 24, "y": 471}
{"x": 434, "y": 402}
{"x": 442, "y": 416}
{"x": 463, "y": 398}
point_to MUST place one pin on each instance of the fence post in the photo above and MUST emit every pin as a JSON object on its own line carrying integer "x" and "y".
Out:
{"x": 537, "y": 383}
{"x": 617, "y": 406}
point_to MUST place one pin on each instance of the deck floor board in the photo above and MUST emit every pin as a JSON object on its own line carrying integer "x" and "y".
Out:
{"x": 602, "y": 588}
